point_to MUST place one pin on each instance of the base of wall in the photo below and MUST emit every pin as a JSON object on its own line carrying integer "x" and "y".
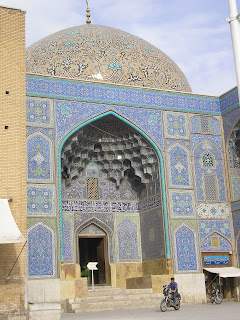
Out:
{"x": 43, "y": 299}
{"x": 190, "y": 286}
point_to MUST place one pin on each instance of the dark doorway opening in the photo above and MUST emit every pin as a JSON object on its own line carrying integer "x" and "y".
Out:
{"x": 93, "y": 250}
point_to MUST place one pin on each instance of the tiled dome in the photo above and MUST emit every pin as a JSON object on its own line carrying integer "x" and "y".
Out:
{"x": 98, "y": 53}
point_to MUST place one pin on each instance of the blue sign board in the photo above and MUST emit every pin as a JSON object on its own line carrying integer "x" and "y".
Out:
{"x": 216, "y": 260}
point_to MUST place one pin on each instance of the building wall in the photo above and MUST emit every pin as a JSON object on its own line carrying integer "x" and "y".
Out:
{"x": 187, "y": 130}
{"x": 13, "y": 151}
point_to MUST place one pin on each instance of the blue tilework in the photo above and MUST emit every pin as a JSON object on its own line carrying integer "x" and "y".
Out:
{"x": 92, "y": 230}
{"x": 176, "y": 125}
{"x": 67, "y": 243}
{"x": 182, "y": 204}
{"x": 229, "y": 100}
{"x": 214, "y": 125}
{"x": 128, "y": 239}
{"x": 99, "y": 206}
{"x": 39, "y": 112}
{"x": 179, "y": 166}
{"x": 218, "y": 170}
{"x": 152, "y": 234}
{"x": 229, "y": 122}
{"x": 235, "y": 205}
{"x": 207, "y": 227}
{"x": 185, "y": 244}
{"x": 196, "y": 138}
{"x": 185, "y": 143}
{"x": 41, "y": 252}
{"x": 41, "y": 200}
{"x": 236, "y": 222}
{"x": 238, "y": 250}
{"x": 48, "y": 132}
{"x": 68, "y": 89}
{"x": 70, "y": 114}
{"x": 235, "y": 184}
{"x": 39, "y": 159}
{"x": 224, "y": 245}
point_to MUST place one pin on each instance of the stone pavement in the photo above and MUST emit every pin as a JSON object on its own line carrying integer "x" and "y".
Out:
{"x": 226, "y": 311}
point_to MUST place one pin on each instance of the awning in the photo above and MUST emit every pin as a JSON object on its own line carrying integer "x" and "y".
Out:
{"x": 226, "y": 272}
{"x": 9, "y": 232}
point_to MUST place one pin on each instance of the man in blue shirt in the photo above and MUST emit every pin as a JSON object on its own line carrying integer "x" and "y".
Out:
{"x": 174, "y": 288}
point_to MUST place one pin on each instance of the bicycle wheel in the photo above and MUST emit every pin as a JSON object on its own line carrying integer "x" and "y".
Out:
{"x": 219, "y": 299}
{"x": 163, "y": 306}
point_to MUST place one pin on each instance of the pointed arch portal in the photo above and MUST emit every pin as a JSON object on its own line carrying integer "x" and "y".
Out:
{"x": 164, "y": 204}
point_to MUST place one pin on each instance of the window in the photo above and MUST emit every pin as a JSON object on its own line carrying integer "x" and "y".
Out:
{"x": 204, "y": 123}
{"x": 210, "y": 186}
{"x": 207, "y": 159}
{"x": 92, "y": 188}
{"x": 215, "y": 242}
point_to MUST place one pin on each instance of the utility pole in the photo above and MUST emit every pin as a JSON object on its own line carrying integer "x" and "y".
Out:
{"x": 234, "y": 20}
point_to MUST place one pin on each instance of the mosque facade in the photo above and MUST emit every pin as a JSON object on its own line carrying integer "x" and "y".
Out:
{"x": 125, "y": 165}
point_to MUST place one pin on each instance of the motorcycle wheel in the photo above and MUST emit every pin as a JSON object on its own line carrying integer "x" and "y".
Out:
{"x": 163, "y": 306}
{"x": 177, "y": 306}
{"x": 219, "y": 299}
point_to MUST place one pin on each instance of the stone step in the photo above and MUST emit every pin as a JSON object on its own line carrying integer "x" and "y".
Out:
{"x": 115, "y": 304}
{"x": 117, "y": 307}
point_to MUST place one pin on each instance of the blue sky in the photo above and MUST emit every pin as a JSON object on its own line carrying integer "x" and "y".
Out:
{"x": 193, "y": 33}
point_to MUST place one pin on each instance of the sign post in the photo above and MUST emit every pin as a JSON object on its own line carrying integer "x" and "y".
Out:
{"x": 92, "y": 266}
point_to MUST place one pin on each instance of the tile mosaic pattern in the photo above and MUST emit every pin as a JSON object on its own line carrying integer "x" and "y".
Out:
{"x": 238, "y": 249}
{"x": 127, "y": 238}
{"x": 213, "y": 211}
{"x": 213, "y": 125}
{"x": 207, "y": 227}
{"x": 41, "y": 200}
{"x": 176, "y": 125}
{"x": 229, "y": 100}
{"x": 92, "y": 230}
{"x": 46, "y": 131}
{"x": 39, "y": 158}
{"x": 116, "y": 57}
{"x": 198, "y": 138}
{"x": 68, "y": 238}
{"x": 76, "y": 90}
{"x": 182, "y": 204}
{"x": 185, "y": 250}
{"x": 180, "y": 167}
{"x": 70, "y": 114}
{"x": 39, "y": 112}
{"x": 98, "y": 206}
{"x": 41, "y": 252}
{"x": 224, "y": 245}
{"x": 229, "y": 121}
{"x": 203, "y": 147}
{"x": 235, "y": 186}
{"x": 236, "y": 222}
{"x": 152, "y": 234}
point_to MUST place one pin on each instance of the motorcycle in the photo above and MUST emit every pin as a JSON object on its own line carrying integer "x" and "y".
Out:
{"x": 167, "y": 300}
{"x": 215, "y": 296}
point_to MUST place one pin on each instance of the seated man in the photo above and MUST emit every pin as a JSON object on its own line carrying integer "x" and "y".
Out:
{"x": 174, "y": 288}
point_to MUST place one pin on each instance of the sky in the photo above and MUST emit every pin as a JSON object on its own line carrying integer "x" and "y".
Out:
{"x": 194, "y": 33}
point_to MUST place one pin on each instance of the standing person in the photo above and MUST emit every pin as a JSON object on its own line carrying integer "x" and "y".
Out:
{"x": 174, "y": 288}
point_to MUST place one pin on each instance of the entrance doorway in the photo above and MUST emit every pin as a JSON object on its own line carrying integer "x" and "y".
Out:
{"x": 93, "y": 250}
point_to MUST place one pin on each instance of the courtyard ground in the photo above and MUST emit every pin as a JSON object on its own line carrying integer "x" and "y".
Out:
{"x": 226, "y": 310}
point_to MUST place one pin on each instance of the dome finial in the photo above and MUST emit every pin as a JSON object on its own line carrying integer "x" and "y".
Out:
{"x": 88, "y": 21}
